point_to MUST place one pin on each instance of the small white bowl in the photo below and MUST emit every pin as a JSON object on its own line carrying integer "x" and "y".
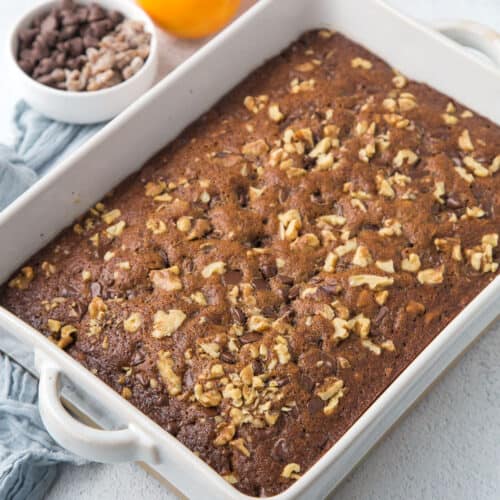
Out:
{"x": 84, "y": 107}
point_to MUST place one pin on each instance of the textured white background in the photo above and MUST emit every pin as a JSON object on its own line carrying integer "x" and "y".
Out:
{"x": 446, "y": 448}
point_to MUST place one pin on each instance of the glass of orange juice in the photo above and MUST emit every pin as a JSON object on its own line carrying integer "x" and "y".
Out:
{"x": 191, "y": 18}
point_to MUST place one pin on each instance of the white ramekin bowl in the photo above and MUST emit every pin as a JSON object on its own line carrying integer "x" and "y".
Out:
{"x": 83, "y": 107}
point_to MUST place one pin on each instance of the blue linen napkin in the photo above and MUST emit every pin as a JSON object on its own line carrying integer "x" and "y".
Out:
{"x": 28, "y": 455}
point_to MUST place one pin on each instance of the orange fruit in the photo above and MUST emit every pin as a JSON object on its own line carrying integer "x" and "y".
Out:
{"x": 191, "y": 18}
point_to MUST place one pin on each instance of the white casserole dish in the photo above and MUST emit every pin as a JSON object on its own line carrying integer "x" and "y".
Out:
{"x": 77, "y": 183}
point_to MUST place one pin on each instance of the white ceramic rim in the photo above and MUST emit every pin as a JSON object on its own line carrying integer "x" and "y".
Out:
{"x": 44, "y": 6}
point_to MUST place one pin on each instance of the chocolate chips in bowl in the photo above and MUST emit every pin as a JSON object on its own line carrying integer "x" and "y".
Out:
{"x": 82, "y": 47}
{"x": 82, "y": 61}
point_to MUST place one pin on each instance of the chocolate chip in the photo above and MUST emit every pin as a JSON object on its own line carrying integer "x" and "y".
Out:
{"x": 280, "y": 450}
{"x": 69, "y": 18}
{"x": 26, "y": 65}
{"x": 46, "y": 65}
{"x": 454, "y": 202}
{"x": 331, "y": 289}
{"x": 315, "y": 405}
{"x": 238, "y": 315}
{"x": 380, "y": 315}
{"x": 269, "y": 270}
{"x": 67, "y": 4}
{"x": 280, "y": 382}
{"x": 286, "y": 280}
{"x": 40, "y": 48}
{"x": 269, "y": 311}
{"x": 90, "y": 41}
{"x": 294, "y": 292}
{"x": 50, "y": 23}
{"x": 68, "y": 32}
{"x": 306, "y": 382}
{"x": 248, "y": 338}
{"x": 232, "y": 277}
{"x": 260, "y": 284}
{"x": 172, "y": 428}
{"x": 27, "y": 36}
{"x": 59, "y": 59}
{"x": 95, "y": 12}
{"x": 95, "y": 289}
{"x": 82, "y": 14}
{"x": 100, "y": 28}
{"x": 75, "y": 47}
{"x": 115, "y": 17}
{"x": 227, "y": 357}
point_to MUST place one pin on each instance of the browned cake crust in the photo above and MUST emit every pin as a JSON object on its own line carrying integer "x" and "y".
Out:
{"x": 264, "y": 278}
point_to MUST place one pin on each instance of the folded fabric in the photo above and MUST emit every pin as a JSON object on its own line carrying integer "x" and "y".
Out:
{"x": 28, "y": 455}
{"x": 40, "y": 143}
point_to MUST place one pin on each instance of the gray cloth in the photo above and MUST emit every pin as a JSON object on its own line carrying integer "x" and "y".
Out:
{"x": 28, "y": 455}
{"x": 40, "y": 143}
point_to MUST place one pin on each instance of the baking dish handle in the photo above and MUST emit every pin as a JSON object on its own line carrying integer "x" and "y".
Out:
{"x": 474, "y": 35}
{"x": 107, "y": 446}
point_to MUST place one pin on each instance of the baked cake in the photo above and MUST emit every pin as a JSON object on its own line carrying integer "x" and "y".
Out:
{"x": 261, "y": 281}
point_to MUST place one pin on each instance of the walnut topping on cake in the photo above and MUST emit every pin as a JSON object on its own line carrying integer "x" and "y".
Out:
{"x": 23, "y": 279}
{"x": 167, "y": 323}
{"x": 276, "y": 267}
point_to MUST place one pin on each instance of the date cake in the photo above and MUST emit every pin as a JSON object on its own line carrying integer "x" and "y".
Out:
{"x": 261, "y": 281}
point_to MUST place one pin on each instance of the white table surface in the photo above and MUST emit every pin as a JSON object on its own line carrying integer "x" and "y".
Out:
{"x": 447, "y": 447}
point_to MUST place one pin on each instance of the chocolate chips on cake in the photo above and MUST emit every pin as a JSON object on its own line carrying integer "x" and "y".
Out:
{"x": 82, "y": 47}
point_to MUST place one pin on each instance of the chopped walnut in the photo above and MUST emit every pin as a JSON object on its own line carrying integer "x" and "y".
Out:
{"x": 116, "y": 230}
{"x": 465, "y": 142}
{"x": 184, "y": 224}
{"x": 167, "y": 323}
{"x": 366, "y": 153}
{"x": 110, "y": 217}
{"x": 399, "y": 81}
{"x": 330, "y": 220}
{"x": 255, "y": 104}
{"x": 290, "y": 225}
{"x": 381, "y": 297}
{"x": 255, "y": 148}
{"x": 330, "y": 262}
{"x": 439, "y": 192}
{"x": 165, "y": 365}
{"x": 209, "y": 398}
{"x": 449, "y": 119}
{"x": 23, "y": 279}
{"x": 48, "y": 269}
{"x": 275, "y": 114}
{"x": 430, "y": 276}
{"x": 166, "y": 279}
{"x": 385, "y": 265}
{"x": 239, "y": 444}
{"x": 156, "y": 226}
{"x": 304, "y": 86}
{"x": 281, "y": 349}
{"x": 362, "y": 257}
{"x": 225, "y": 435}
{"x": 258, "y": 323}
{"x": 373, "y": 281}
{"x": 209, "y": 270}
{"x": 477, "y": 169}
{"x": 291, "y": 471}
{"x": 359, "y": 62}
{"x": 67, "y": 336}
{"x": 371, "y": 346}
{"x": 405, "y": 155}
{"x": 133, "y": 322}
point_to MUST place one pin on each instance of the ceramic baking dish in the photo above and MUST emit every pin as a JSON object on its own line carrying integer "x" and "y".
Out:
{"x": 128, "y": 141}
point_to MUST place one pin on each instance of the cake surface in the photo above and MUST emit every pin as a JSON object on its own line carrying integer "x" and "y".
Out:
{"x": 261, "y": 281}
